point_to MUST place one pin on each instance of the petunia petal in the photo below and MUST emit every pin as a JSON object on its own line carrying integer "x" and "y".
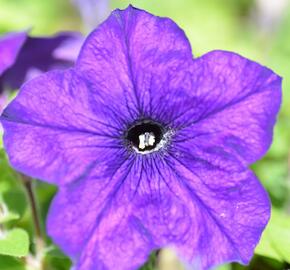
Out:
{"x": 89, "y": 199}
{"x": 209, "y": 215}
{"x": 235, "y": 104}
{"x": 129, "y": 57}
{"x": 93, "y": 220}
{"x": 52, "y": 132}
{"x": 96, "y": 220}
{"x": 116, "y": 244}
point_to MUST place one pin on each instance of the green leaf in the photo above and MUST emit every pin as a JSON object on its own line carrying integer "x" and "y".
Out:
{"x": 224, "y": 267}
{"x": 8, "y": 217}
{"x": 150, "y": 264}
{"x": 55, "y": 259}
{"x": 11, "y": 190}
{"x": 8, "y": 175}
{"x": 11, "y": 263}
{"x": 14, "y": 243}
{"x": 55, "y": 252}
{"x": 275, "y": 240}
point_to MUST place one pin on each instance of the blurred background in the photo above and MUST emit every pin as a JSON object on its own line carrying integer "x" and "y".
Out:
{"x": 257, "y": 29}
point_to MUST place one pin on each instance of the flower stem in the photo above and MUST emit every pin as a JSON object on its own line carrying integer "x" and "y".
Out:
{"x": 34, "y": 262}
{"x": 32, "y": 200}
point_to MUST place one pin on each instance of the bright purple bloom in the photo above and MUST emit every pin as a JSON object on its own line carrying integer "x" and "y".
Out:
{"x": 149, "y": 147}
{"x": 23, "y": 57}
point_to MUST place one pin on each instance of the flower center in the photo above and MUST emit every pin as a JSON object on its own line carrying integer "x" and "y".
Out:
{"x": 145, "y": 136}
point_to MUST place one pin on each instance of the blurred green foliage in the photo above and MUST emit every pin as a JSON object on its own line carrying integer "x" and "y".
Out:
{"x": 15, "y": 242}
{"x": 209, "y": 25}
{"x": 43, "y": 17}
{"x": 275, "y": 242}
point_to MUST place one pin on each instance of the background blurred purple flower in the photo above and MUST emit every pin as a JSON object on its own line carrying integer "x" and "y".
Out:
{"x": 23, "y": 57}
{"x": 149, "y": 147}
{"x": 268, "y": 14}
{"x": 92, "y": 11}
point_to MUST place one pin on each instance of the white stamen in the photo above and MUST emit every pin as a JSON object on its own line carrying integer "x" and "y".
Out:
{"x": 147, "y": 139}
{"x": 160, "y": 145}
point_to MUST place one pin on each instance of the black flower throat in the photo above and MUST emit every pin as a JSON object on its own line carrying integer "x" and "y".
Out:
{"x": 145, "y": 135}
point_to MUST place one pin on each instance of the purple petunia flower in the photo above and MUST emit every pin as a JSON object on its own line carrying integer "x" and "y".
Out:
{"x": 23, "y": 57}
{"x": 148, "y": 146}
